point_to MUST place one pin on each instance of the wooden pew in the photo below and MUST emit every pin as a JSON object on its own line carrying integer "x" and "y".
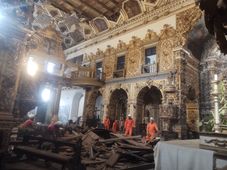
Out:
{"x": 72, "y": 162}
{"x": 65, "y": 161}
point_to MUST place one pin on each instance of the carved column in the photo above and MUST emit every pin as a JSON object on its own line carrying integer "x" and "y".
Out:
{"x": 22, "y": 55}
{"x": 132, "y": 109}
{"x": 8, "y": 75}
{"x": 58, "y": 96}
{"x": 86, "y": 103}
{"x": 105, "y": 109}
{"x": 106, "y": 102}
{"x": 89, "y": 103}
{"x": 180, "y": 65}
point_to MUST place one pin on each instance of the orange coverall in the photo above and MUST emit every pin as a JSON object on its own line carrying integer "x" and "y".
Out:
{"x": 27, "y": 123}
{"x": 152, "y": 129}
{"x": 115, "y": 127}
{"x": 106, "y": 123}
{"x": 129, "y": 124}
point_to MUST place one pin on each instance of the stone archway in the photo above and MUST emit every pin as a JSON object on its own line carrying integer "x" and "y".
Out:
{"x": 148, "y": 101}
{"x": 118, "y": 104}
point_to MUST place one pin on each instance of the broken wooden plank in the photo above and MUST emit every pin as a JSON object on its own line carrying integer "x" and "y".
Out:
{"x": 132, "y": 147}
{"x": 132, "y": 142}
{"x": 113, "y": 159}
{"x": 132, "y": 154}
{"x": 117, "y": 139}
{"x": 69, "y": 138}
{"x": 89, "y": 139}
{"x": 89, "y": 162}
{"x": 144, "y": 166}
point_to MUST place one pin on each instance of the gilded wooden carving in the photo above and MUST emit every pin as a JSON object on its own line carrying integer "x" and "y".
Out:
{"x": 132, "y": 8}
{"x": 100, "y": 24}
{"x": 109, "y": 62}
{"x": 99, "y": 54}
{"x": 185, "y": 22}
{"x": 167, "y": 32}
{"x": 121, "y": 46}
{"x": 165, "y": 48}
{"x": 46, "y": 43}
{"x": 151, "y": 37}
{"x": 134, "y": 57}
{"x": 166, "y": 55}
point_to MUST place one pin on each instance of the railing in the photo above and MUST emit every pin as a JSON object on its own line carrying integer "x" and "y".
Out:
{"x": 100, "y": 76}
{"x": 85, "y": 75}
{"x": 149, "y": 68}
{"x": 119, "y": 73}
{"x": 88, "y": 74}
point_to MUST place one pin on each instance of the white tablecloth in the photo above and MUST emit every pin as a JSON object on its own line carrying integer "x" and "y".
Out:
{"x": 182, "y": 155}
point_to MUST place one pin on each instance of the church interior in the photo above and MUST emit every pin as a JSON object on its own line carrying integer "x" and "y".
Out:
{"x": 113, "y": 84}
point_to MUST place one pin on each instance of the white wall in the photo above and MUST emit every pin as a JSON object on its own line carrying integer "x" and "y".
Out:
{"x": 69, "y": 104}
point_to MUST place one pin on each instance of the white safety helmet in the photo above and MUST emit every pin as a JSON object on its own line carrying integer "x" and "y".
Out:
{"x": 129, "y": 115}
{"x": 58, "y": 123}
{"x": 151, "y": 118}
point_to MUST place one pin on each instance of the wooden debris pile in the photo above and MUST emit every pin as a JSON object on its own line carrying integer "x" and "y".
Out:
{"x": 111, "y": 151}
{"x": 101, "y": 149}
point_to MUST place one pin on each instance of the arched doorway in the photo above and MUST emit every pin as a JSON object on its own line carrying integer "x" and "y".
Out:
{"x": 99, "y": 106}
{"x": 71, "y": 104}
{"x": 118, "y": 104}
{"x": 77, "y": 106}
{"x": 148, "y": 101}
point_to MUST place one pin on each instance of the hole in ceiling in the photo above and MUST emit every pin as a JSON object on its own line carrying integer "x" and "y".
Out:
{"x": 53, "y": 13}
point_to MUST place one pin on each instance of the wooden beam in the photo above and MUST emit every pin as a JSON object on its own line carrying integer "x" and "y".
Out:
{"x": 77, "y": 10}
{"x": 91, "y": 7}
{"x": 117, "y": 4}
{"x": 118, "y": 139}
{"x": 114, "y": 2}
{"x": 60, "y": 7}
{"x": 104, "y": 6}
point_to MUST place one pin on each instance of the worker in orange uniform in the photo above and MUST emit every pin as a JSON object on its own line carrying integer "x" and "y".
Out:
{"x": 106, "y": 123}
{"x": 129, "y": 125}
{"x": 152, "y": 130}
{"x": 28, "y": 123}
{"x": 115, "y": 126}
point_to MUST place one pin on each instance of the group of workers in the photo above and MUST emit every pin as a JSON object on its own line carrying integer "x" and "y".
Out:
{"x": 129, "y": 124}
{"x": 53, "y": 125}
{"x": 121, "y": 125}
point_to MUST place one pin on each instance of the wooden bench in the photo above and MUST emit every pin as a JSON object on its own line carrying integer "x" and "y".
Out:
{"x": 65, "y": 161}
{"x": 72, "y": 162}
{"x": 56, "y": 143}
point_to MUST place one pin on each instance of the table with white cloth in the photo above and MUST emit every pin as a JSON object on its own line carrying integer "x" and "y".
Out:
{"x": 186, "y": 155}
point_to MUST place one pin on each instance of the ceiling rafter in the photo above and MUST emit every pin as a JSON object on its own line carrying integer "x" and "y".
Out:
{"x": 104, "y": 6}
{"x": 114, "y": 2}
{"x": 90, "y": 7}
{"x": 117, "y": 4}
{"x": 77, "y": 10}
{"x": 60, "y": 7}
